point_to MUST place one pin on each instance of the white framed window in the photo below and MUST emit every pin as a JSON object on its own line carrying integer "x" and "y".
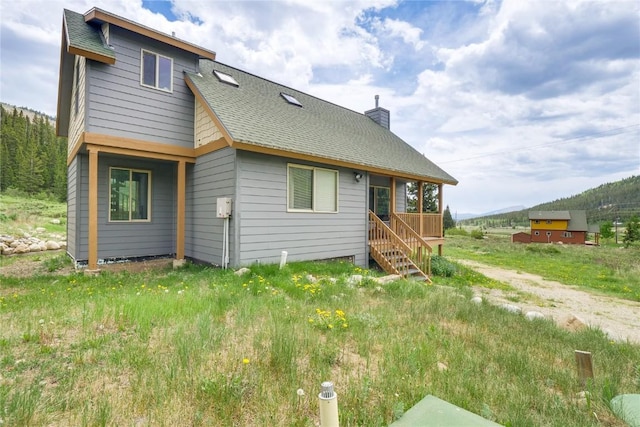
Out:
{"x": 156, "y": 71}
{"x": 567, "y": 234}
{"x": 536, "y": 233}
{"x": 129, "y": 195}
{"x": 311, "y": 189}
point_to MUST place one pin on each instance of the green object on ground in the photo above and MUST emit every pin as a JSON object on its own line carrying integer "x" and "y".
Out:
{"x": 627, "y": 407}
{"x": 434, "y": 412}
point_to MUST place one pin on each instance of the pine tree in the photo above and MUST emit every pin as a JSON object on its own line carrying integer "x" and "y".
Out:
{"x": 447, "y": 219}
{"x": 632, "y": 234}
{"x": 429, "y": 197}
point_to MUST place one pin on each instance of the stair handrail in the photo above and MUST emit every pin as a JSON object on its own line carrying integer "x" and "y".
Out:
{"x": 407, "y": 228}
{"x": 383, "y": 240}
{"x": 417, "y": 255}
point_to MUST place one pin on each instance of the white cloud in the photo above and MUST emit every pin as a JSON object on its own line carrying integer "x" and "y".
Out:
{"x": 407, "y": 32}
{"x": 515, "y": 100}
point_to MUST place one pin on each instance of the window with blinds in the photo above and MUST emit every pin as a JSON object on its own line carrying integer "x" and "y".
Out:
{"x": 311, "y": 189}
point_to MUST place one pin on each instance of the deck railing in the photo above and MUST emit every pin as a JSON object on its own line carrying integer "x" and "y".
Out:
{"x": 425, "y": 224}
{"x": 420, "y": 249}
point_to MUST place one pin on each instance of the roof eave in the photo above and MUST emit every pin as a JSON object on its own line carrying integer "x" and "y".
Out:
{"x": 91, "y": 55}
{"x": 64, "y": 87}
{"x": 100, "y": 15}
{"x": 253, "y": 147}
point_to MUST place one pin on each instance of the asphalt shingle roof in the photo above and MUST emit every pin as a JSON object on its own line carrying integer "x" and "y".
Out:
{"x": 549, "y": 215}
{"x": 256, "y": 113}
{"x": 84, "y": 36}
{"x": 577, "y": 219}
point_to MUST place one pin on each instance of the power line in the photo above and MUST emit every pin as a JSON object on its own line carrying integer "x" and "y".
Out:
{"x": 596, "y": 135}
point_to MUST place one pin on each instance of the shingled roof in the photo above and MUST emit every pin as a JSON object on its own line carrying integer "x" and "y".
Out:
{"x": 577, "y": 219}
{"x": 85, "y": 39}
{"x": 256, "y": 113}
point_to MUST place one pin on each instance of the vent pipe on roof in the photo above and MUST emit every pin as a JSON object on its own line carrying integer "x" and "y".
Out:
{"x": 379, "y": 115}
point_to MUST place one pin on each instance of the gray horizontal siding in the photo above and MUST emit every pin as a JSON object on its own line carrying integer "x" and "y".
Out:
{"x": 72, "y": 206}
{"x": 130, "y": 239}
{"x": 119, "y": 105}
{"x": 266, "y": 228}
{"x": 212, "y": 176}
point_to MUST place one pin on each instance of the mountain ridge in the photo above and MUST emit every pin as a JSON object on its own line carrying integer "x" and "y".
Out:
{"x": 614, "y": 201}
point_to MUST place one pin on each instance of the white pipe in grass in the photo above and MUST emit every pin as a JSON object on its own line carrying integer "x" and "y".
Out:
{"x": 283, "y": 259}
{"x": 328, "y": 401}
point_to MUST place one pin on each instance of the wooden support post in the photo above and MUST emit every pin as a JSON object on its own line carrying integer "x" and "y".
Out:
{"x": 180, "y": 214}
{"x": 392, "y": 195}
{"x": 585, "y": 366}
{"x": 419, "y": 207}
{"x": 441, "y": 212}
{"x": 93, "y": 209}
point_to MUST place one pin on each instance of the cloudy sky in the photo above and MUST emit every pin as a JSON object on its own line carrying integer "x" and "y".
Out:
{"x": 523, "y": 102}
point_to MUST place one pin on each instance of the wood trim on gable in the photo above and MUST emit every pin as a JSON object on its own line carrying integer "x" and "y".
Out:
{"x": 91, "y": 55}
{"x": 212, "y": 146}
{"x": 199, "y": 98}
{"x": 102, "y": 16}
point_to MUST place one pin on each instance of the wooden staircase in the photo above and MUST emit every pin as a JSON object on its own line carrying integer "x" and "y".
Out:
{"x": 402, "y": 251}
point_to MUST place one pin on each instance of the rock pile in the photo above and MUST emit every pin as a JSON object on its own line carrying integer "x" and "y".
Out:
{"x": 10, "y": 245}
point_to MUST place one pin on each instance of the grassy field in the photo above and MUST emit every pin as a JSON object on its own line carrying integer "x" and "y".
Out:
{"x": 610, "y": 269}
{"x": 201, "y": 346}
{"x": 20, "y": 214}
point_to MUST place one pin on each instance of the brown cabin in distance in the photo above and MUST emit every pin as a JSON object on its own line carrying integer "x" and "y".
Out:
{"x": 569, "y": 227}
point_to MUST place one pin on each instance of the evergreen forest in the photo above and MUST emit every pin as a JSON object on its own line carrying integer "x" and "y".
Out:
{"x": 33, "y": 160}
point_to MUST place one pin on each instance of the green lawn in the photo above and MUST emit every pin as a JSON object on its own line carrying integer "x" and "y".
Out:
{"x": 608, "y": 269}
{"x": 201, "y": 346}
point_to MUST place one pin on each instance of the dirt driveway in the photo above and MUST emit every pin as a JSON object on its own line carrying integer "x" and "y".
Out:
{"x": 619, "y": 318}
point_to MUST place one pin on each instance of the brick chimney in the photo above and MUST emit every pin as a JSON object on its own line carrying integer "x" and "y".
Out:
{"x": 379, "y": 115}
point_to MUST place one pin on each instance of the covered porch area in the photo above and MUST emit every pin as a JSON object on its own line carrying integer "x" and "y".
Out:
{"x": 402, "y": 236}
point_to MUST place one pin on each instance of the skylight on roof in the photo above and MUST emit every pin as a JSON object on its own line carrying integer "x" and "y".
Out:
{"x": 290, "y": 99}
{"x": 226, "y": 78}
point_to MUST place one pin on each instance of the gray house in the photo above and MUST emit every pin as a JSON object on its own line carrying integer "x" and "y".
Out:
{"x": 174, "y": 154}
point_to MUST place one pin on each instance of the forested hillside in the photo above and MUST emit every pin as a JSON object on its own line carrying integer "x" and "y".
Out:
{"x": 618, "y": 200}
{"x": 32, "y": 159}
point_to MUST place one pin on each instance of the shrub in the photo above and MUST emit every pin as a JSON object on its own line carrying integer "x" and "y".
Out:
{"x": 456, "y": 232}
{"x": 442, "y": 267}
{"x": 477, "y": 234}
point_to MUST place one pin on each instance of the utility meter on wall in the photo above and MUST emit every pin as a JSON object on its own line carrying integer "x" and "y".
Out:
{"x": 223, "y": 207}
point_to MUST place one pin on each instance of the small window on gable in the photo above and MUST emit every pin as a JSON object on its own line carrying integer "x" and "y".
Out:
{"x": 156, "y": 71}
{"x": 291, "y": 99}
{"x": 549, "y": 221}
{"x": 226, "y": 78}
